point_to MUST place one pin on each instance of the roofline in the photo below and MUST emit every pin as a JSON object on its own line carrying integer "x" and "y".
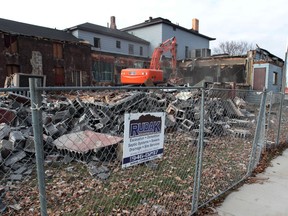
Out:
{"x": 160, "y": 20}
{"x": 46, "y": 38}
{"x": 79, "y": 27}
{"x": 35, "y": 36}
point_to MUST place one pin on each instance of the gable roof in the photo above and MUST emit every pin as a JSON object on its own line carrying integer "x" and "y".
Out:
{"x": 24, "y": 29}
{"x": 160, "y": 20}
{"x": 89, "y": 27}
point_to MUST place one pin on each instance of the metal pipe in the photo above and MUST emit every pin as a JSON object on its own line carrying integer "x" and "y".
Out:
{"x": 257, "y": 134}
{"x": 36, "y": 102}
{"x": 198, "y": 169}
{"x": 280, "y": 118}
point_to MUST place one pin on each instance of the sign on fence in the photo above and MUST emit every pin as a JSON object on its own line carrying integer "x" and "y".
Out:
{"x": 143, "y": 137}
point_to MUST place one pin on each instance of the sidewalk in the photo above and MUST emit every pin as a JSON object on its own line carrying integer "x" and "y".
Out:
{"x": 267, "y": 197}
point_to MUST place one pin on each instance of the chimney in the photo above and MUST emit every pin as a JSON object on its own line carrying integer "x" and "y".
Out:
{"x": 113, "y": 22}
{"x": 195, "y": 24}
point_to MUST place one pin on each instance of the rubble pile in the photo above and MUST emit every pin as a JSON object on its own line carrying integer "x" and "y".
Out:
{"x": 85, "y": 123}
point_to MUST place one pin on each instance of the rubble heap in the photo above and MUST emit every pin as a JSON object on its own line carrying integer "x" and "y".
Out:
{"x": 100, "y": 115}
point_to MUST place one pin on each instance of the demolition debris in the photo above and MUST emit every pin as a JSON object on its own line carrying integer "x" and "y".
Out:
{"x": 87, "y": 125}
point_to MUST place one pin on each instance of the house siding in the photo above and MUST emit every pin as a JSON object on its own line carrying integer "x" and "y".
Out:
{"x": 108, "y": 44}
{"x": 270, "y": 69}
{"x": 153, "y": 34}
{"x": 158, "y": 33}
{"x": 184, "y": 38}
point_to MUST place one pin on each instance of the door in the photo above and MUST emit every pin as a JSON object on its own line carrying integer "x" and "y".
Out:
{"x": 259, "y": 78}
{"x": 59, "y": 77}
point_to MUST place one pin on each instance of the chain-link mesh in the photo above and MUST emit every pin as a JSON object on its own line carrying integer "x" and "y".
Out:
{"x": 284, "y": 120}
{"x": 83, "y": 137}
{"x": 17, "y": 158}
{"x": 274, "y": 112}
{"x": 83, "y": 147}
{"x": 229, "y": 127}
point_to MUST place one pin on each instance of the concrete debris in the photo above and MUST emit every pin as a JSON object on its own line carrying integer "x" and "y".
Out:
{"x": 101, "y": 172}
{"x": 17, "y": 139}
{"x": 18, "y": 156}
{"x": 16, "y": 177}
{"x": 91, "y": 125}
{"x": 6, "y": 147}
{"x": 4, "y": 130}
{"x": 85, "y": 141}
{"x": 7, "y": 116}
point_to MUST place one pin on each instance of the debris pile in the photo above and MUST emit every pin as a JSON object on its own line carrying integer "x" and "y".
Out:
{"x": 92, "y": 125}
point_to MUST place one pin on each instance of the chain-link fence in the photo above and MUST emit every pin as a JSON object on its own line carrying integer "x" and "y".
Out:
{"x": 124, "y": 151}
{"x": 275, "y": 113}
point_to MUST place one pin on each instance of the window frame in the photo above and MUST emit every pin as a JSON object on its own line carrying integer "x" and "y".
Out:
{"x": 118, "y": 44}
{"x": 130, "y": 49}
{"x": 97, "y": 43}
{"x": 275, "y": 78}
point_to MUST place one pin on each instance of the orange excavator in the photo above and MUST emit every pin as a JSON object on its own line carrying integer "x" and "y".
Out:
{"x": 139, "y": 76}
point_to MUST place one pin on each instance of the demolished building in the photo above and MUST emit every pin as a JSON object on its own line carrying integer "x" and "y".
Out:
{"x": 257, "y": 70}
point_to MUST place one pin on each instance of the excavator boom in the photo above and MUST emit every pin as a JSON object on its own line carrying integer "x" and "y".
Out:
{"x": 154, "y": 73}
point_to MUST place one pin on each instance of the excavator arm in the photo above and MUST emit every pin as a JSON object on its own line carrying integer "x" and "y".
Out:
{"x": 154, "y": 73}
{"x": 168, "y": 45}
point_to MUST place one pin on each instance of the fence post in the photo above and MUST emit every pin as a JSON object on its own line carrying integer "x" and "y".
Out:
{"x": 198, "y": 168}
{"x": 268, "y": 117}
{"x": 280, "y": 118}
{"x": 36, "y": 102}
{"x": 259, "y": 128}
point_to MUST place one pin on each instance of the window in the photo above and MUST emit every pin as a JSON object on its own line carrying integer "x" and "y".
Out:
{"x": 141, "y": 51}
{"x": 131, "y": 49}
{"x": 57, "y": 51}
{"x": 103, "y": 71}
{"x": 97, "y": 42}
{"x": 77, "y": 78}
{"x": 59, "y": 76}
{"x": 275, "y": 78}
{"x": 186, "y": 51}
{"x": 118, "y": 44}
{"x": 10, "y": 43}
{"x": 198, "y": 53}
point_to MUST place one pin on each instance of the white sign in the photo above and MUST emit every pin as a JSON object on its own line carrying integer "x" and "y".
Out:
{"x": 143, "y": 137}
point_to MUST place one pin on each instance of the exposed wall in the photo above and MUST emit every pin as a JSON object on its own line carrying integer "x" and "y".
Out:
{"x": 214, "y": 70}
{"x": 77, "y": 59}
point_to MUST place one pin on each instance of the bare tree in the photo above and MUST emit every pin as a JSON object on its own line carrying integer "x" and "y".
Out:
{"x": 233, "y": 48}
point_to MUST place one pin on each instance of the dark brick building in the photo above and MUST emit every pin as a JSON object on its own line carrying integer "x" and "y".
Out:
{"x": 30, "y": 49}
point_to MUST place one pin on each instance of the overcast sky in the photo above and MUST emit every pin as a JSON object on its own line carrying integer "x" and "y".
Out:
{"x": 262, "y": 22}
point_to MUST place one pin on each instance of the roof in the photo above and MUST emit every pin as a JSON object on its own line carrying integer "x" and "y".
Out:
{"x": 18, "y": 28}
{"x": 267, "y": 53}
{"x": 89, "y": 27}
{"x": 160, "y": 20}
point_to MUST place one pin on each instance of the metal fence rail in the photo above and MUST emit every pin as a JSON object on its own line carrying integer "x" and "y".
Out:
{"x": 212, "y": 138}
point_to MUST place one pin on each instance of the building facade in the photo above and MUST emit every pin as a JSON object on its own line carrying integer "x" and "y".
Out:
{"x": 190, "y": 43}
{"x": 59, "y": 56}
{"x": 111, "y": 50}
{"x": 257, "y": 70}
